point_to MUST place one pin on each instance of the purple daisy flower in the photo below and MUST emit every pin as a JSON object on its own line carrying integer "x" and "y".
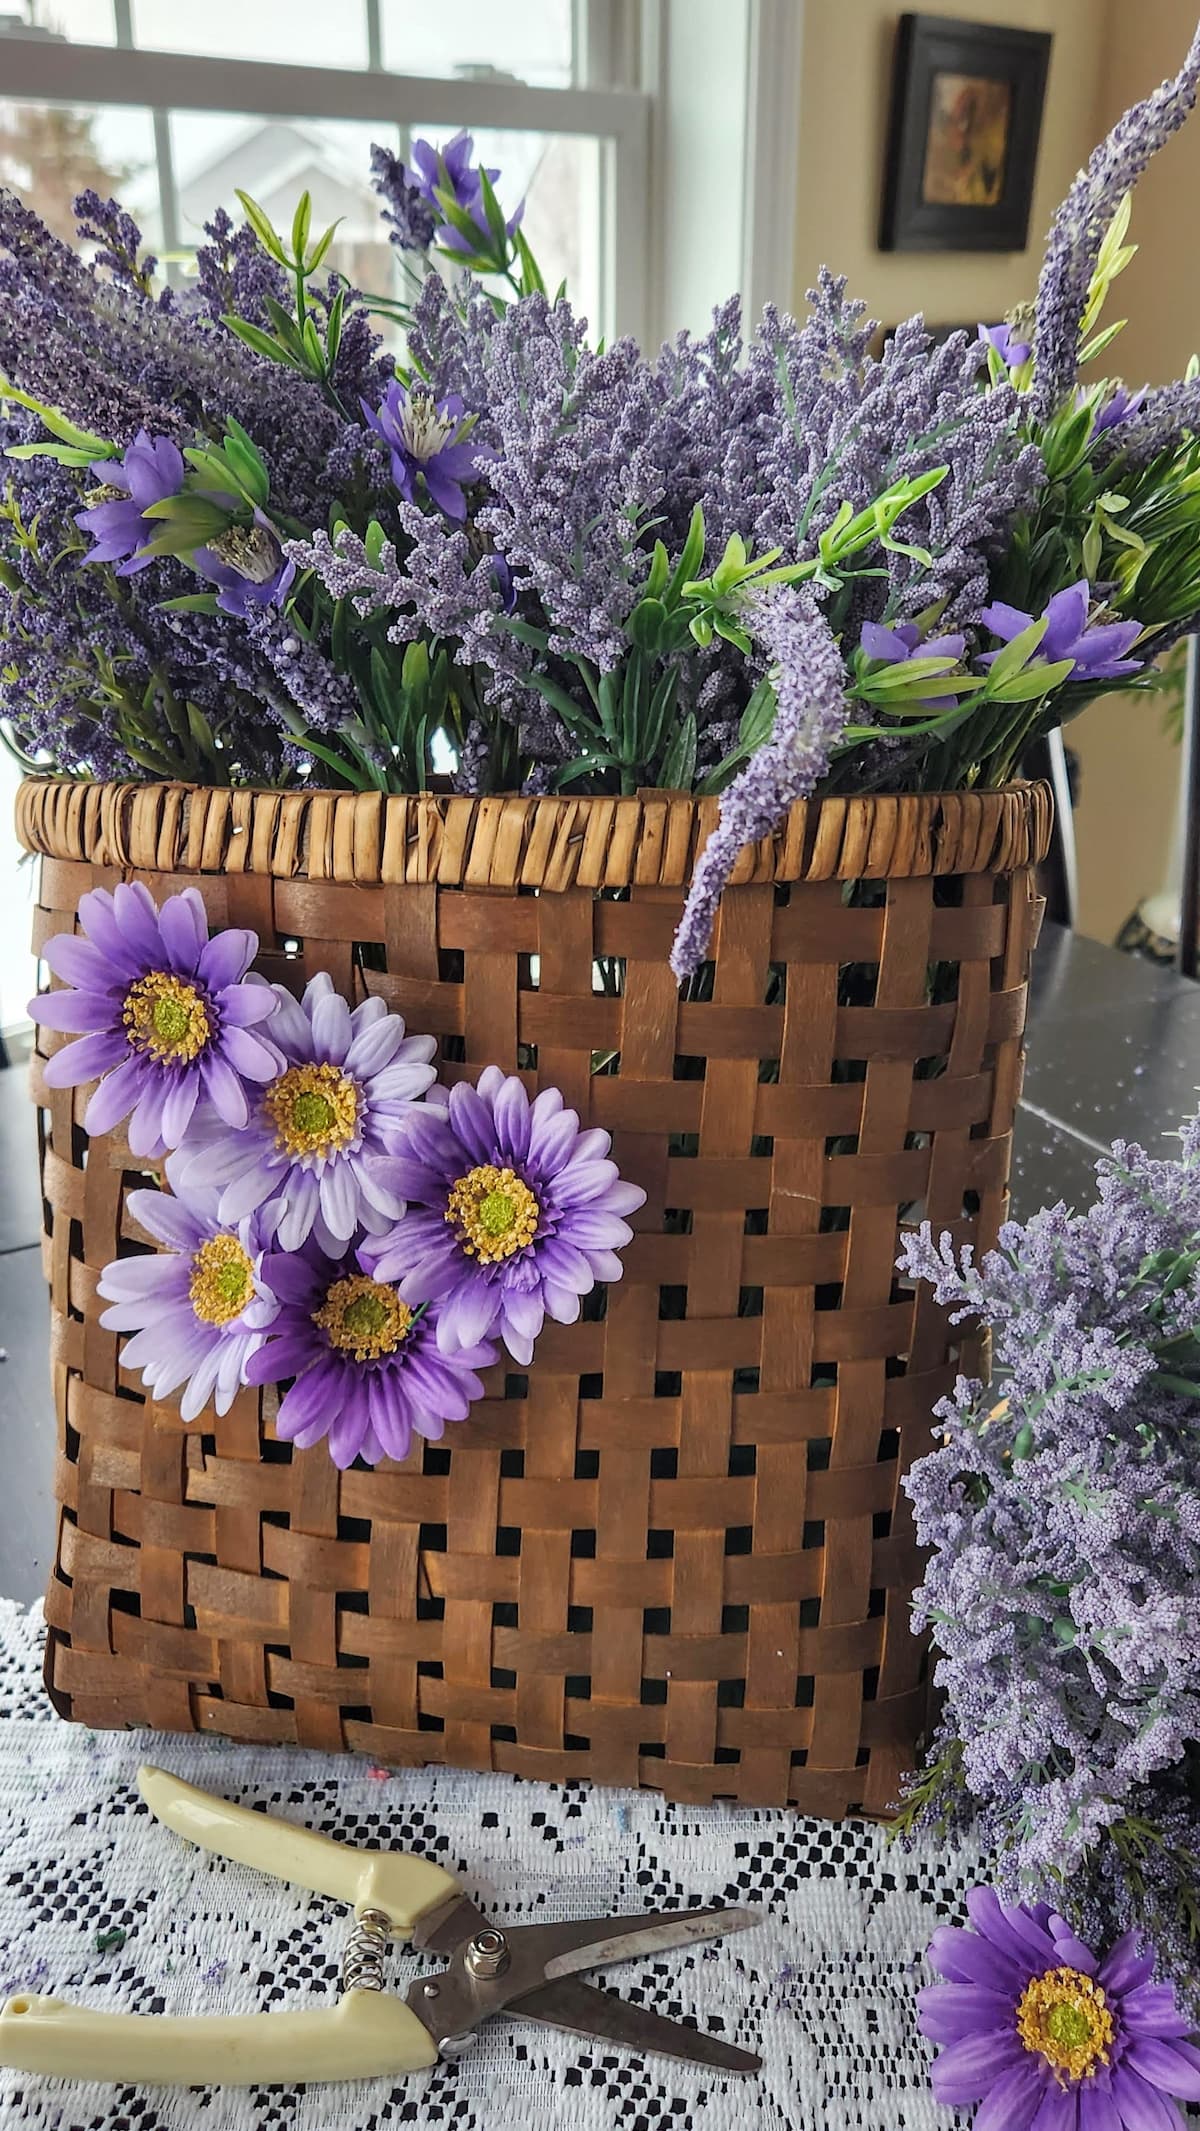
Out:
{"x": 895, "y": 646}
{"x": 368, "y": 1370}
{"x": 338, "y": 1097}
{"x": 1039, "y": 2031}
{"x": 1098, "y": 650}
{"x": 160, "y": 1011}
{"x": 514, "y": 1212}
{"x": 427, "y": 437}
{"x": 248, "y": 566}
{"x": 198, "y": 1307}
{"x": 151, "y": 469}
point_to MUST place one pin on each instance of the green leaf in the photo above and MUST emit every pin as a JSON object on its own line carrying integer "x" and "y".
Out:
{"x": 261, "y": 342}
{"x": 190, "y": 603}
{"x": 66, "y": 454}
{"x": 493, "y": 212}
{"x": 758, "y": 719}
{"x": 301, "y": 224}
{"x": 583, "y": 766}
{"x": 287, "y": 331}
{"x": 690, "y": 559}
{"x": 1022, "y": 1442}
{"x": 263, "y": 229}
{"x": 647, "y": 624}
{"x": 312, "y": 346}
{"x": 660, "y": 570}
{"x": 333, "y": 330}
{"x": 1065, "y": 1631}
{"x": 1018, "y": 653}
{"x": 374, "y": 542}
{"x": 1037, "y": 680}
{"x": 608, "y": 707}
{"x": 679, "y": 763}
{"x": 531, "y": 273}
{"x": 414, "y": 667}
{"x": 321, "y": 247}
{"x": 58, "y": 425}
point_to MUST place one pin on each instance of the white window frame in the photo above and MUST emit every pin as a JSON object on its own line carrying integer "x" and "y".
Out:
{"x": 38, "y": 70}
{"x": 687, "y": 97}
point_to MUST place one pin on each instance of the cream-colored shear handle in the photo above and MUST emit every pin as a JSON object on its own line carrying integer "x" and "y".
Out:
{"x": 366, "y": 2035}
{"x": 403, "y": 1888}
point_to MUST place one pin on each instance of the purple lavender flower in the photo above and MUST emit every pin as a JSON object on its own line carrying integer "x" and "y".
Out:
{"x": 1081, "y": 223}
{"x": 427, "y": 437}
{"x": 150, "y": 470}
{"x": 1037, "y": 2029}
{"x": 516, "y": 1212}
{"x": 452, "y": 169}
{"x": 248, "y": 566}
{"x": 406, "y": 207}
{"x": 1002, "y": 338}
{"x": 347, "y": 1083}
{"x": 369, "y": 1371}
{"x": 161, "y": 1013}
{"x": 811, "y": 715}
{"x": 895, "y": 646}
{"x": 1061, "y": 1512}
{"x": 198, "y": 1306}
{"x": 1098, "y": 650}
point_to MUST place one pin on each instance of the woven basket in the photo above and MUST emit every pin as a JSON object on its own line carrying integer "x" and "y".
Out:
{"x": 676, "y": 1553}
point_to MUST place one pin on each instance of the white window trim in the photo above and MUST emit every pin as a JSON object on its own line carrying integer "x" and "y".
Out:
{"x": 38, "y": 71}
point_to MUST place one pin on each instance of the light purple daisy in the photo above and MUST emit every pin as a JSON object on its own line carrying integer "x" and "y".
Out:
{"x": 198, "y": 1307}
{"x": 160, "y": 1011}
{"x": 514, "y": 1212}
{"x": 1041, "y": 2033}
{"x": 348, "y": 1081}
{"x": 368, "y": 1372}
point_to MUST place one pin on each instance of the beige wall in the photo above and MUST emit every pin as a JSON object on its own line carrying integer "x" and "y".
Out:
{"x": 845, "y": 86}
{"x": 1106, "y": 53}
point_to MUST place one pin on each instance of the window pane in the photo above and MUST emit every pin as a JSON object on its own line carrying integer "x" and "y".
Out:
{"x": 276, "y": 159}
{"x": 291, "y": 32}
{"x": 50, "y": 152}
{"x": 530, "y": 39}
{"x": 78, "y": 21}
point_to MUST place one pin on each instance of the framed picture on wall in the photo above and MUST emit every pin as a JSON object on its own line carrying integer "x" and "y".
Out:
{"x": 962, "y": 145}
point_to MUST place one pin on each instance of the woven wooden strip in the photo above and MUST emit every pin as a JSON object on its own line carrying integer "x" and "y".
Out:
{"x": 675, "y": 1551}
{"x": 551, "y": 843}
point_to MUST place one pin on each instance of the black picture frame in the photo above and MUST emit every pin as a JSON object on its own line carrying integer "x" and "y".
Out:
{"x": 977, "y": 53}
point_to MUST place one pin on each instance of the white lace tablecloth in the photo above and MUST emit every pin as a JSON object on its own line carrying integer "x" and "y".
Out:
{"x": 100, "y": 1903}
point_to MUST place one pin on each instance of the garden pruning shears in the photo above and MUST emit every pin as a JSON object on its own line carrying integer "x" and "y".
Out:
{"x": 529, "y": 1972}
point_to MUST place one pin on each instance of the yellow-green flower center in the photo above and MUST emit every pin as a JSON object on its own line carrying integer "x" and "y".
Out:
{"x": 222, "y": 1280}
{"x": 364, "y": 1317}
{"x": 493, "y": 1213}
{"x": 166, "y": 1017}
{"x": 314, "y": 1109}
{"x": 1064, "y": 2017}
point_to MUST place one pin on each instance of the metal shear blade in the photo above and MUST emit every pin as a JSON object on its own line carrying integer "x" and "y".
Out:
{"x": 539, "y": 1978}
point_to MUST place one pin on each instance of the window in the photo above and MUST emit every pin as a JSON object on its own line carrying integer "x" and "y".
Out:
{"x": 177, "y": 108}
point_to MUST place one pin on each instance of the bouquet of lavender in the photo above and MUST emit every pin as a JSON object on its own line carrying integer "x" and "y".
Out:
{"x": 239, "y": 542}
{"x": 1063, "y": 1513}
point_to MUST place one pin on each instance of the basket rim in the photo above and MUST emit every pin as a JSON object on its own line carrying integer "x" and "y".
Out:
{"x": 506, "y": 841}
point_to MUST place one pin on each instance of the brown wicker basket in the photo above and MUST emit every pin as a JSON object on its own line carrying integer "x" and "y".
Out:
{"x": 676, "y": 1553}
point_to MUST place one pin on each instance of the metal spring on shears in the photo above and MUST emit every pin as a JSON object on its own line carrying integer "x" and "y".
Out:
{"x": 365, "y": 1958}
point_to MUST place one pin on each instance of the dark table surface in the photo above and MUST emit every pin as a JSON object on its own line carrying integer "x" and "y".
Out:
{"x": 1114, "y": 1050}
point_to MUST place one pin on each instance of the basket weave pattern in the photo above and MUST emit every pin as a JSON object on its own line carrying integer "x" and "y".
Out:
{"x": 675, "y": 1551}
